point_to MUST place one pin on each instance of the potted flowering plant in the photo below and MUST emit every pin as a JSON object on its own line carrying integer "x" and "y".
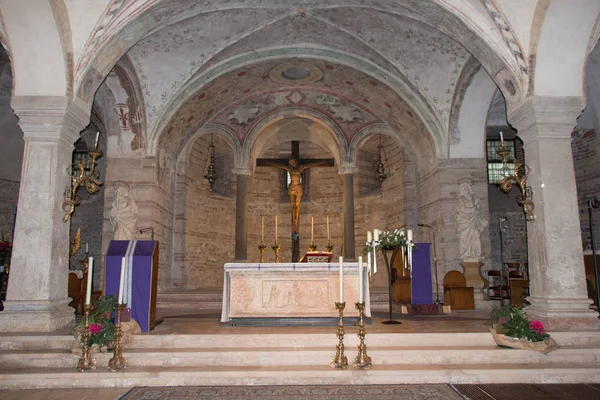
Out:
{"x": 511, "y": 328}
{"x": 101, "y": 325}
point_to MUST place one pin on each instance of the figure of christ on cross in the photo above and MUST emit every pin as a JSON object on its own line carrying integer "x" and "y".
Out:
{"x": 295, "y": 166}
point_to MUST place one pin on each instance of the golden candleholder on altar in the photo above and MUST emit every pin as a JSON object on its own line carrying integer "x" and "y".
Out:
{"x": 276, "y": 249}
{"x": 340, "y": 361}
{"x": 118, "y": 361}
{"x": 312, "y": 247}
{"x": 86, "y": 361}
{"x": 261, "y": 248}
{"x": 362, "y": 360}
{"x": 329, "y": 246}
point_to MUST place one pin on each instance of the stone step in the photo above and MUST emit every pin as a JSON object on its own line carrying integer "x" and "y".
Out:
{"x": 227, "y": 340}
{"x": 210, "y": 296}
{"x": 304, "y": 375}
{"x": 286, "y": 357}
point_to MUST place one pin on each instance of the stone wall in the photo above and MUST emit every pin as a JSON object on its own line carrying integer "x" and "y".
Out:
{"x": 586, "y": 159}
{"x": 209, "y": 222}
{"x": 513, "y": 247}
{"x": 438, "y": 195}
{"x": 384, "y": 209}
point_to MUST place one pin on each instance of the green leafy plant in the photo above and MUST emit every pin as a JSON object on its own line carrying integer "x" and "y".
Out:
{"x": 511, "y": 321}
{"x": 101, "y": 325}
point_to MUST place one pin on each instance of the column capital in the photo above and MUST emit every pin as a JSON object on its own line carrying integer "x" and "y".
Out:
{"x": 50, "y": 117}
{"x": 348, "y": 168}
{"x": 241, "y": 170}
{"x": 546, "y": 116}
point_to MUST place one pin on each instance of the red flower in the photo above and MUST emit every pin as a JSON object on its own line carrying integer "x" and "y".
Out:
{"x": 537, "y": 326}
{"x": 95, "y": 328}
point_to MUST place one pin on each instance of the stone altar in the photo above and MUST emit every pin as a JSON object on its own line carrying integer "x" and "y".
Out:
{"x": 290, "y": 290}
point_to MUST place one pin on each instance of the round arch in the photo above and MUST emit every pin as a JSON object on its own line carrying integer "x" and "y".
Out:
{"x": 261, "y": 136}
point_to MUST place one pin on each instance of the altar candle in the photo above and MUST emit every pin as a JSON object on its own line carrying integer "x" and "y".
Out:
{"x": 86, "y": 248}
{"x": 409, "y": 235}
{"x": 501, "y": 139}
{"x": 122, "y": 280}
{"x": 341, "y": 280}
{"x": 361, "y": 296}
{"x": 88, "y": 289}
{"x": 276, "y": 229}
{"x": 328, "y": 228}
{"x": 96, "y": 141}
{"x": 369, "y": 237}
{"x": 312, "y": 229}
{"x": 376, "y": 235}
{"x": 262, "y": 229}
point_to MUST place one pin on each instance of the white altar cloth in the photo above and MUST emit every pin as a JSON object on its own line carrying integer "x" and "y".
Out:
{"x": 290, "y": 290}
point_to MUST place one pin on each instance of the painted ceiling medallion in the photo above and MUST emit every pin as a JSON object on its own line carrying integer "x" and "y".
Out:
{"x": 296, "y": 72}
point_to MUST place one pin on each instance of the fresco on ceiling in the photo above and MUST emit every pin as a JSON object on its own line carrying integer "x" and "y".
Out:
{"x": 239, "y": 99}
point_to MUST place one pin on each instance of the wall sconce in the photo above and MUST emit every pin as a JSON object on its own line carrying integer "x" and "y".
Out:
{"x": 83, "y": 173}
{"x": 211, "y": 174}
{"x": 380, "y": 174}
{"x": 516, "y": 175}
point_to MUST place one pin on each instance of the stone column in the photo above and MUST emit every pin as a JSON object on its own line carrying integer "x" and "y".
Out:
{"x": 349, "y": 243}
{"x": 241, "y": 214}
{"x": 557, "y": 275}
{"x": 37, "y": 291}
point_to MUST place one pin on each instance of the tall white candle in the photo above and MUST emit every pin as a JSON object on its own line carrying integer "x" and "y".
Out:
{"x": 328, "y": 228}
{"x": 262, "y": 229}
{"x": 376, "y": 235}
{"x": 96, "y": 141}
{"x": 409, "y": 235}
{"x": 501, "y": 138}
{"x": 369, "y": 237}
{"x": 276, "y": 229}
{"x": 361, "y": 290}
{"x": 122, "y": 280}
{"x": 312, "y": 229}
{"x": 88, "y": 288}
{"x": 341, "y": 280}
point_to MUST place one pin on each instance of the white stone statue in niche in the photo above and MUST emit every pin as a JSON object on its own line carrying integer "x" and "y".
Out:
{"x": 470, "y": 223}
{"x": 123, "y": 215}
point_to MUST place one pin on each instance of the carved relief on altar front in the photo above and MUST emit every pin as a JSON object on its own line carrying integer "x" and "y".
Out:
{"x": 288, "y": 295}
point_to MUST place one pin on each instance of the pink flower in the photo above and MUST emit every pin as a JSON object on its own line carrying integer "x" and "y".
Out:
{"x": 95, "y": 328}
{"x": 537, "y": 326}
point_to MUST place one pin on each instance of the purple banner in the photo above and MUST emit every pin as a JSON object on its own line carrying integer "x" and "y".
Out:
{"x": 421, "y": 290}
{"x": 141, "y": 277}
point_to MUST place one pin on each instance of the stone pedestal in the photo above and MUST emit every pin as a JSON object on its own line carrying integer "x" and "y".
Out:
{"x": 472, "y": 272}
{"x": 37, "y": 291}
{"x": 557, "y": 276}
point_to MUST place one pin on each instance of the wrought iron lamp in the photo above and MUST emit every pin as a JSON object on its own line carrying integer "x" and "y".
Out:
{"x": 83, "y": 173}
{"x": 517, "y": 174}
{"x": 380, "y": 174}
{"x": 211, "y": 174}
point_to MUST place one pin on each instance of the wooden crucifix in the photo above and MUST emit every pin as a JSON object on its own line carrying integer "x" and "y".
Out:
{"x": 295, "y": 166}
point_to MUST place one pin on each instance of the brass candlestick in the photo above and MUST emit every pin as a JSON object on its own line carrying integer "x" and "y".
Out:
{"x": 329, "y": 246}
{"x": 312, "y": 247}
{"x": 362, "y": 360}
{"x": 262, "y": 248}
{"x": 86, "y": 361}
{"x": 340, "y": 361}
{"x": 118, "y": 361}
{"x": 276, "y": 249}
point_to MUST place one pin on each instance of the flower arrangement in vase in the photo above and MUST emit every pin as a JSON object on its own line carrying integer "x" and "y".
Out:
{"x": 101, "y": 325}
{"x": 512, "y": 328}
